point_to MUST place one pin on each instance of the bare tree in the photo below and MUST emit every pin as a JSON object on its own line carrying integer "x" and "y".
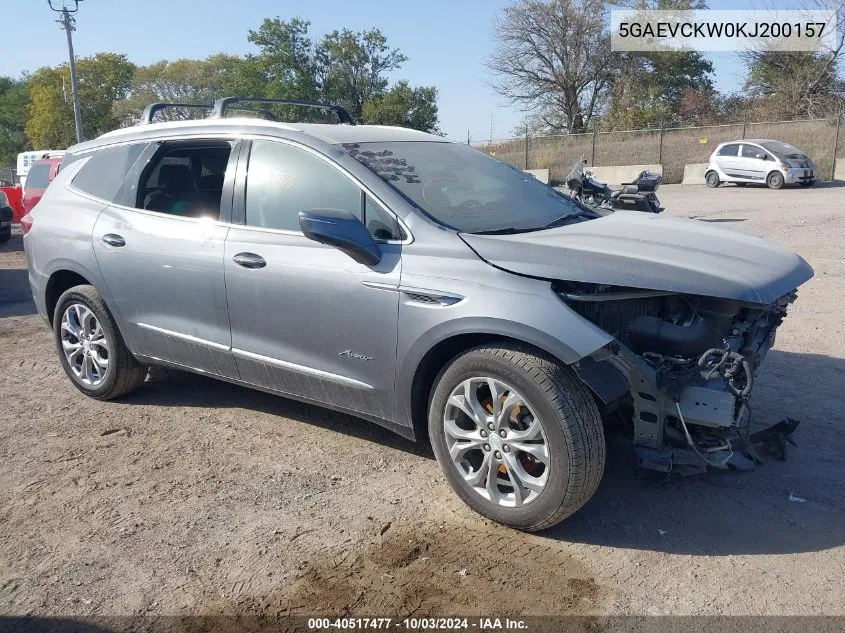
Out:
{"x": 553, "y": 59}
{"x": 801, "y": 83}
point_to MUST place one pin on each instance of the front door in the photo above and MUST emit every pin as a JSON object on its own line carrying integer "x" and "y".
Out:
{"x": 307, "y": 320}
{"x": 755, "y": 165}
{"x": 161, "y": 254}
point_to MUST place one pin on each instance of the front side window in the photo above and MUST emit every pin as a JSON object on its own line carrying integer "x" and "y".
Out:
{"x": 185, "y": 178}
{"x": 729, "y": 150}
{"x": 105, "y": 171}
{"x": 283, "y": 180}
{"x": 751, "y": 151}
{"x": 463, "y": 188}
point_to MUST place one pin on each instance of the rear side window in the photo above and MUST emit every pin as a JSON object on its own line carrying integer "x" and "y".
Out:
{"x": 729, "y": 150}
{"x": 104, "y": 172}
{"x": 38, "y": 176}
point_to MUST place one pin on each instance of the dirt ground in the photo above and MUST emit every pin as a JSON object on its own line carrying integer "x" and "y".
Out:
{"x": 193, "y": 496}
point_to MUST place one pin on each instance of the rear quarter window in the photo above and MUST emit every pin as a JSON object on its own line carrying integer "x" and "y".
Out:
{"x": 105, "y": 171}
{"x": 38, "y": 176}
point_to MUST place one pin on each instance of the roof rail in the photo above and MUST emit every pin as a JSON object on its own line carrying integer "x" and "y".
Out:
{"x": 226, "y": 103}
{"x": 150, "y": 110}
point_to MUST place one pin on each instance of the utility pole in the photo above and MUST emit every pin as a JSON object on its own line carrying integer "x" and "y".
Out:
{"x": 68, "y": 24}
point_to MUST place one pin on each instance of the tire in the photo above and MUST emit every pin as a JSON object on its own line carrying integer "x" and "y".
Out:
{"x": 551, "y": 396}
{"x": 122, "y": 373}
{"x": 774, "y": 180}
{"x": 712, "y": 179}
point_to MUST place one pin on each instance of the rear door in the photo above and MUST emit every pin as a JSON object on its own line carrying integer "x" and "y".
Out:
{"x": 160, "y": 248}
{"x": 307, "y": 319}
{"x": 727, "y": 158}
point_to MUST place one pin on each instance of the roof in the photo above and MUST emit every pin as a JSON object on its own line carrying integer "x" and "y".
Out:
{"x": 329, "y": 133}
{"x": 758, "y": 141}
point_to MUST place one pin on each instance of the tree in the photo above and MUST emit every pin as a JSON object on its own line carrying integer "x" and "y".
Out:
{"x": 554, "y": 59}
{"x": 199, "y": 81}
{"x": 790, "y": 84}
{"x": 799, "y": 83}
{"x": 404, "y": 106}
{"x": 351, "y": 67}
{"x": 651, "y": 88}
{"x": 284, "y": 67}
{"x": 13, "y": 99}
{"x": 103, "y": 79}
{"x": 345, "y": 68}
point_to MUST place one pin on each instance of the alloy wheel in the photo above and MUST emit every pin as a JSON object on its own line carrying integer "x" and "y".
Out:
{"x": 85, "y": 345}
{"x": 496, "y": 441}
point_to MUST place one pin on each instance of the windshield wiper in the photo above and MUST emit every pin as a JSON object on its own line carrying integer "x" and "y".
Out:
{"x": 581, "y": 213}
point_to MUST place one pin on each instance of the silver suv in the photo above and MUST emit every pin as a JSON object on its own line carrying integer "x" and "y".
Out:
{"x": 760, "y": 161}
{"x": 413, "y": 282}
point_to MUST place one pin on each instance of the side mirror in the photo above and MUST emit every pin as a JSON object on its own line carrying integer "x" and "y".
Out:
{"x": 341, "y": 229}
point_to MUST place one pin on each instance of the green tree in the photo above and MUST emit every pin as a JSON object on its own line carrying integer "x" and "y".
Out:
{"x": 345, "y": 68}
{"x": 14, "y": 95}
{"x": 651, "y": 88}
{"x": 404, "y": 106}
{"x": 103, "y": 79}
{"x": 351, "y": 67}
{"x": 199, "y": 81}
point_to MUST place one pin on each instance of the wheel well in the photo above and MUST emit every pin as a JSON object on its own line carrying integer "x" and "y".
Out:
{"x": 60, "y": 281}
{"x": 429, "y": 368}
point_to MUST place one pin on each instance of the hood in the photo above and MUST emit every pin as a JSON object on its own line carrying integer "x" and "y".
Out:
{"x": 654, "y": 252}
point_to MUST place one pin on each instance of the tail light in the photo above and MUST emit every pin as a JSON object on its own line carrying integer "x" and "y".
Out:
{"x": 26, "y": 223}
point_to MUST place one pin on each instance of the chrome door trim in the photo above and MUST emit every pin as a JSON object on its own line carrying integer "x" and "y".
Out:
{"x": 302, "y": 369}
{"x": 184, "y": 337}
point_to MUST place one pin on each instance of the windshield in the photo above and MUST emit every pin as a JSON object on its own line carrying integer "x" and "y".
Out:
{"x": 783, "y": 150}
{"x": 463, "y": 188}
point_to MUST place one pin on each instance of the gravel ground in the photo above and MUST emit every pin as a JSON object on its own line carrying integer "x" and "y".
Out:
{"x": 192, "y": 496}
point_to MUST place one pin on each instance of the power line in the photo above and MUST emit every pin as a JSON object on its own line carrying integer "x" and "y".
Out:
{"x": 67, "y": 22}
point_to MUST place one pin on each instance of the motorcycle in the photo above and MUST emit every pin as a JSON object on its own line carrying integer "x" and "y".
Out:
{"x": 639, "y": 195}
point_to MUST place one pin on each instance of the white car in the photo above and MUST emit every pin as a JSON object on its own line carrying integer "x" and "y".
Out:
{"x": 762, "y": 161}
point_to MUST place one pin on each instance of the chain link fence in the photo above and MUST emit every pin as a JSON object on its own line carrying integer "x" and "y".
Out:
{"x": 823, "y": 140}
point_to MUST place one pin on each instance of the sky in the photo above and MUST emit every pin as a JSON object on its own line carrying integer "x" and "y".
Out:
{"x": 446, "y": 42}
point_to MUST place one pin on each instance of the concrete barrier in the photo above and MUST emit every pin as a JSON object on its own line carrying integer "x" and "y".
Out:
{"x": 618, "y": 174}
{"x": 839, "y": 172}
{"x": 694, "y": 173}
{"x": 540, "y": 174}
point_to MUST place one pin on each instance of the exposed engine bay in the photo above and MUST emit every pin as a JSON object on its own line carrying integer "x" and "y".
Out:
{"x": 688, "y": 364}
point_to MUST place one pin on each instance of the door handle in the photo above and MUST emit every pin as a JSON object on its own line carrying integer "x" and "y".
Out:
{"x": 249, "y": 260}
{"x": 113, "y": 239}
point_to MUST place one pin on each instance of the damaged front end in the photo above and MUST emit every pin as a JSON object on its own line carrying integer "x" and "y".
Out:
{"x": 683, "y": 366}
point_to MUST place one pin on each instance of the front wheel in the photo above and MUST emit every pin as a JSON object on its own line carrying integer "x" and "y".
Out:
{"x": 774, "y": 180}
{"x": 90, "y": 347}
{"x": 517, "y": 435}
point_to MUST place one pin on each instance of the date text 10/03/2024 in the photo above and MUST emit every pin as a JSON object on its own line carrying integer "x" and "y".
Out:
{"x": 419, "y": 624}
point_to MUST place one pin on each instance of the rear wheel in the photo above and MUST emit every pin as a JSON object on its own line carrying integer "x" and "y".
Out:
{"x": 90, "y": 347}
{"x": 774, "y": 180}
{"x": 517, "y": 435}
{"x": 712, "y": 179}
